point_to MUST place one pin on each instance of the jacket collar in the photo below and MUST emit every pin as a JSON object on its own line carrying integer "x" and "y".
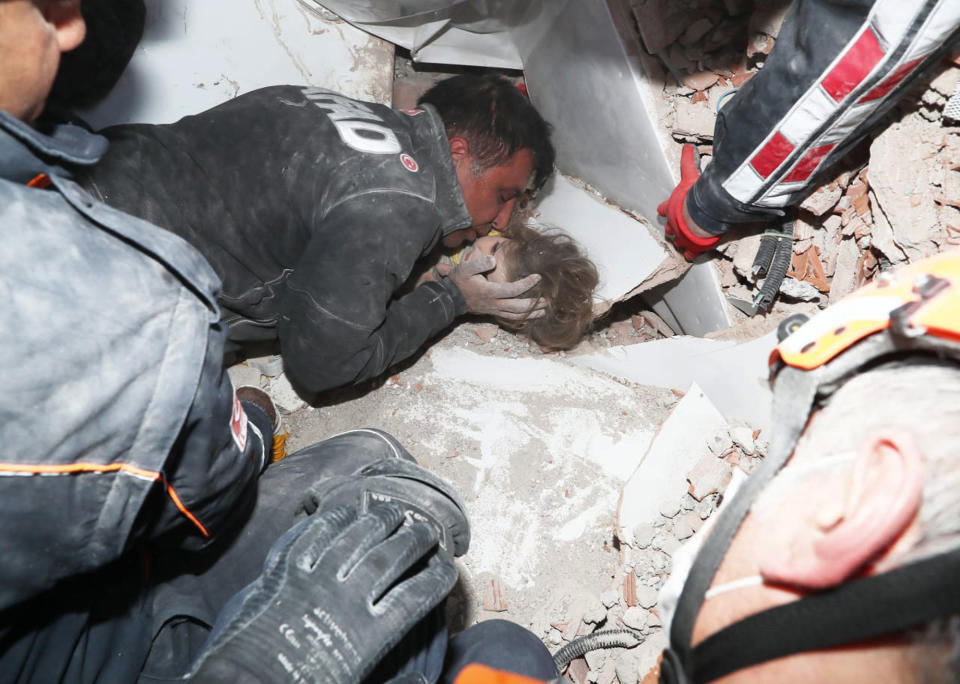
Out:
{"x": 26, "y": 151}
{"x": 431, "y": 136}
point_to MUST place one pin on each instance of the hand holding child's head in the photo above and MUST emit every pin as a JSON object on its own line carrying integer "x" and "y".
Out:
{"x": 565, "y": 291}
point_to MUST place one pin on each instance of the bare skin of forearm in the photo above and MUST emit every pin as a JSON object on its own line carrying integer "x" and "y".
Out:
{"x": 692, "y": 226}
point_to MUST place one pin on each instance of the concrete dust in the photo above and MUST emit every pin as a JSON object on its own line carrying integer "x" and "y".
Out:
{"x": 539, "y": 449}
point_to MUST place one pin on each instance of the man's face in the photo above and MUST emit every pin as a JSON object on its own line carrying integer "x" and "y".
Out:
{"x": 33, "y": 33}
{"x": 491, "y": 195}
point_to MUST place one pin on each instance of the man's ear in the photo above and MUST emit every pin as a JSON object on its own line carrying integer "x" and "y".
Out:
{"x": 67, "y": 21}
{"x": 459, "y": 148}
{"x": 882, "y": 498}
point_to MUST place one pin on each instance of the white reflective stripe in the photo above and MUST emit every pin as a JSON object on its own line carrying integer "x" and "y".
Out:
{"x": 849, "y": 120}
{"x": 779, "y": 195}
{"x": 889, "y": 19}
{"x": 807, "y": 116}
{"x": 743, "y": 183}
{"x": 942, "y": 22}
{"x": 747, "y": 180}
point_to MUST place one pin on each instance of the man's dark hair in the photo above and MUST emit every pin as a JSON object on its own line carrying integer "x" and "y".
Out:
{"x": 495, "y": 119}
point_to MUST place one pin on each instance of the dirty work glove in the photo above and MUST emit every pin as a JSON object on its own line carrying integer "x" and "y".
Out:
{"x": 422, "y": 496}
{"x": 329, "y": 604}
{"x": 492, "y": 299}
{"x": 676, "y": 229}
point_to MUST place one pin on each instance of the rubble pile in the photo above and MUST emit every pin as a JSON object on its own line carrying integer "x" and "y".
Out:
{"x": 630, "y": 601}
{"x": 895, "y": 199}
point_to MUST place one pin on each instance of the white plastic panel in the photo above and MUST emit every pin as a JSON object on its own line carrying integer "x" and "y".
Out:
{"x": 198, "y": 53}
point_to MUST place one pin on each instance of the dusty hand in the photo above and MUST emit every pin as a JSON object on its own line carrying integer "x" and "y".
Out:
{"x": 338, "y": 590}
{"x": 677, "y": 230}
{"x": 489, "y": 298}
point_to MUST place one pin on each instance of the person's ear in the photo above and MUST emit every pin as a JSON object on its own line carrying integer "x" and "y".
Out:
{"x": 459, "y": 149}
{"x": 67, "y": 21}
{"x": 882, "y": 497}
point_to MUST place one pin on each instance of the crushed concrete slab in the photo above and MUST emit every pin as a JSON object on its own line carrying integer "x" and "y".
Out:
{"x": 743, "y": 437}
{"x": 635, "y": 617}
{"x": 798, "y": 289}
{"x": 647, "y": 597}
{"x": 283, "y": 394}
{"x": 661, "y": 477}
{"x": 902, "y": 178}
{"x": 242, "y": 375}
{"x": 627, "y": 670}
{"x": 694, "y": 121}
{"x": 709, "y": 476}
{"x": 610, "y": 598}
{"x": 670, "y": 509}
{"x": 733, "y": 376}
{"x": 624, "y": 251}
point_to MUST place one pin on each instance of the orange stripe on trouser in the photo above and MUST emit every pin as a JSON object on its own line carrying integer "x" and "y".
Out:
{"x": 74, "y": 468}
{"x": 481, "y": 674}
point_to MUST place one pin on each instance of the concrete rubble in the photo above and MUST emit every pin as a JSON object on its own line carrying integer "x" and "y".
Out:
{"x": 553, "y": 548}
{"x": 648, "y": 535}
{"x": 894, "y": 199}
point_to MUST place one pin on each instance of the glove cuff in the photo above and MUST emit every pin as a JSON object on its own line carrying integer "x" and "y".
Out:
{"x": 704, "y": 243}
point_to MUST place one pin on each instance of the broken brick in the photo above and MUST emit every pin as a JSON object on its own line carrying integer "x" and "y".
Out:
{"x": 739, "y": 79}
{"x": 701, "y": 80}
{"x": 486, "y": 331}
{"x": 808, "y": 267}
{"x": 630, "y": 589}
{"x": 493, "y": 597}
{"x": 578, "y": 671}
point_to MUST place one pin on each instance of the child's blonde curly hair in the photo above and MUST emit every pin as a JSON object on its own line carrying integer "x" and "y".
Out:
{"x": 567, "y": 281}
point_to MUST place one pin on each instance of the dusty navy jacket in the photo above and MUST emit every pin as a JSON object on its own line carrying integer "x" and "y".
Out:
{"x": 312, "y": 208}
{"x": 116, "y": 419}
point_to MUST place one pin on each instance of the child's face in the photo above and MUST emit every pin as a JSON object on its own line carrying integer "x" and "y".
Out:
{"x": 491, "y": 246}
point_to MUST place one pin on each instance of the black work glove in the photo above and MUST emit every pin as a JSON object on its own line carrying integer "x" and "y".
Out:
{"x": 489, "y": 298}
{"x": 329, "y": 605}
{"x": 421, "y": 495}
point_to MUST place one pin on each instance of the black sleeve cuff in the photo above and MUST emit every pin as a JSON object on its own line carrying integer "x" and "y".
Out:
{"x": 449, "y": 295}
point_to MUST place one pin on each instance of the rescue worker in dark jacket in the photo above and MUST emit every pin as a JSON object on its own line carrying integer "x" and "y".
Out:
{"x": 313, "y": 209}
{"x": 130, "y": 488}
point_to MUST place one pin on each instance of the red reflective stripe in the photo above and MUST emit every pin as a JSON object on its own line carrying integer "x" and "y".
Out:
{"x": 891, "y": 81}
{"x": 808, "y": 164}
{"x": 771, "y": 155}
{"x": 854, "y": 66}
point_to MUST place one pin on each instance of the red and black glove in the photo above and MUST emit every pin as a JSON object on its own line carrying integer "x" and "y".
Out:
{"x": 688, "y": 243}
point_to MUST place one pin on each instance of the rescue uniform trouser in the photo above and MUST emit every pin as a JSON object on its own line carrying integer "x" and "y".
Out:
{"x": 192, "y": 599}
{"x": 837, "y": 68}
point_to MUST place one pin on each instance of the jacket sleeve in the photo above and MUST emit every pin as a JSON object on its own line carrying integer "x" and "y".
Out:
{"x": 339, "y": 321}
{"x": 210, "y": 478}
{"x": 836, "y": 69}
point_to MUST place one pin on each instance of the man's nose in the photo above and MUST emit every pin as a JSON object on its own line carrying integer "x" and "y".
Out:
{"x": 503, "y": 218}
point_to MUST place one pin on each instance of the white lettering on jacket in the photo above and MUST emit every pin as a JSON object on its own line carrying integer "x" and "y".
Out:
{"x": 356, "y": 123}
